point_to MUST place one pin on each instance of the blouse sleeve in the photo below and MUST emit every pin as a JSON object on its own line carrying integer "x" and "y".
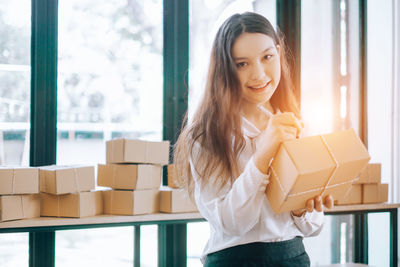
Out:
{"x": 310, "y": 224}
{"x": 234, "y": 210}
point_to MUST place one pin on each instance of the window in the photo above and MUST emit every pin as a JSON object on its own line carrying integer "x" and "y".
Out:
{"x": 15, "y": 31}
{"x": 100, "y": 247}
{"x": 109, "y": 76}
{"x": 110, "y": 84}
{"x": 15, "y": 74}
{"x": 330, "y": 95}
{"x": 383, "y": 121}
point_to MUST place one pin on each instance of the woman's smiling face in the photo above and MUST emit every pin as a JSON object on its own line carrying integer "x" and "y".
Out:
{"x": 258, "y": 67}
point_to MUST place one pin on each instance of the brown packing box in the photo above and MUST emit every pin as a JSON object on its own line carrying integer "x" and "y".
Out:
{"x": 129, "y": 176}
{"x": 137, "y": 151}
{"x": 66, "y": 179}
{"x": 371, "y": 174}
{"x": 127, "y": 202}
{"x": 375, "y": 193}
{"x": 19, "y": 207}
{"x": 19, "y": 180}
{"x": 317, "y": 165}
{"x": 354, "y": 196}
{"x": 77, "y": 205}
{"x": 172, "y": 179}
{"x": 174, "y": 200}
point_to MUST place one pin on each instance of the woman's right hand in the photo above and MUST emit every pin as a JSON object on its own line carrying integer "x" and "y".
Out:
{"x": 281, "y": 127}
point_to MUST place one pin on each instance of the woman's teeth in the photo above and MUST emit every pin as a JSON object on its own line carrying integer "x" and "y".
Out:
{"x": 258, "y": 88}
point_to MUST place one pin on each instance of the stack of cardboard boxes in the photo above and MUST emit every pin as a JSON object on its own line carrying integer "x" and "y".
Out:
{"x": 367, "y": 189}
{"x": 133, "y": 170}
{"x": 19, "y": 193}
{"x": 65, "y": 191}
{"x": 172, "y": 198}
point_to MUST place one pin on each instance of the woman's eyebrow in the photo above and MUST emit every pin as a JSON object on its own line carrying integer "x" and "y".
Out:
{"x": 241, "y": 58}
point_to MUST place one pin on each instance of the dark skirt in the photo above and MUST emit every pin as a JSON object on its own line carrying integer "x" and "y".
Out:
{"x": 277, "y": 254}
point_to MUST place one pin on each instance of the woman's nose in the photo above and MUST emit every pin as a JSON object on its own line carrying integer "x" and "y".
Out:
{"x": 258, "y": 71}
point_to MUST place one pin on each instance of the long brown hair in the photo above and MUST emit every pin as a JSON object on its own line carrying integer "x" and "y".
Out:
{"x": 216, "y": 125}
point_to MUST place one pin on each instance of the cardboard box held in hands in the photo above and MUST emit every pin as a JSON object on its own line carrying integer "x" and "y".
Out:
{"x": 137, "y": 151}
{"x": 129, "y": 176}
{"x": 317, "y": 165}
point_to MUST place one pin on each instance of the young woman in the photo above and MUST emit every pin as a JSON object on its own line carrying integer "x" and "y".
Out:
{"x": 223, "y": 154}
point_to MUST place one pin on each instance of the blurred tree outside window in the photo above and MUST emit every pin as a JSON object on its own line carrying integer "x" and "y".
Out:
{"x": 110, "y": 75}
{"x": 15, "y": 32}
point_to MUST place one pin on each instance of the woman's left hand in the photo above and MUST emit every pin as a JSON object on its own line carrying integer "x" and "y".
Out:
{"x": 315, "y": 204}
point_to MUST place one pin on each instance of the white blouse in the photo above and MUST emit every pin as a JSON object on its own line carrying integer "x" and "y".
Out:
{"x": 240, "y": 213}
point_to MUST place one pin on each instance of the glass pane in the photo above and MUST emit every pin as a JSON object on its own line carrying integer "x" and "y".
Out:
{"x": 110, "y": 79}
{"x": 205, "y": 18}
{"x": 101, "y": 247}
{"x": 110, "y": 84}
{"x": 380, "y": 85}
{"x": 197, "y": 237}
{"x": 14, "y": 250}
{"x": 379, "y": 240}
{"x": 380, "y": 103}
{"x": 318, "y": 247}
{"x": 149, "y": 246}
{"x": 15, "y": 31}
{"x": 317, "y": 81}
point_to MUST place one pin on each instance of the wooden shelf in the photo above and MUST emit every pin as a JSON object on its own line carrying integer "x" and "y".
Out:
{"x": 101, "y": 220}
{"x": 109, "y": 220}
{"x": 363, "y": 207}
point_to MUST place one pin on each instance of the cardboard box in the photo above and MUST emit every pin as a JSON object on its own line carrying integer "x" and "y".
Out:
{"x": 121, "y": 202}
{"x": 172, "y": 179}
{"x": 137, "y": 151}
{"x": 129, "y": 176}
{"x": 75, "y": 205}
{"x": 317, "y": 165}
{"x": 354, "y": 196}
{"x": 371, "y": 174}
{"x": 17, "y": 207}
{"x": 19, "y": 180}
{"x": 375, "y": 193}
{"x": 66, "y": 179}
{"x": 174, "y": 200}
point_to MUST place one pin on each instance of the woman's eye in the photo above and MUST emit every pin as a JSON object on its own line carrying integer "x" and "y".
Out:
{"x": 241, "y": 64}
{"x": 268, "y": 57}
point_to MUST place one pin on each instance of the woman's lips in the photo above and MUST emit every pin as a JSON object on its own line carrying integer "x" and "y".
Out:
{"x": 258, "y": 89}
